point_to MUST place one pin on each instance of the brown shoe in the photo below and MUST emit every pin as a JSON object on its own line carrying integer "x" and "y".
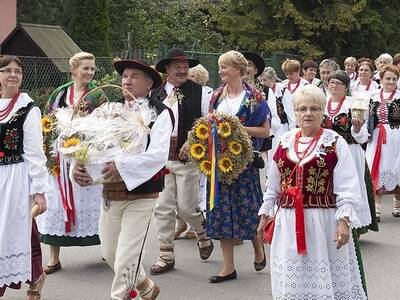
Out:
{"x": 165, "y": 263}
{"x": 148, "y": 289}
{"x": 51, "y": 269}
{"x": 35, "y": 289}
{"x": 189, "y": 235}
{"x": 180, "y": 229}
{"x": 205, "y": 248}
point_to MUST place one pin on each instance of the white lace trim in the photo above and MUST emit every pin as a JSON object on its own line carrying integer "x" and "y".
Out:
{"x": 299, "y": 278}
{"x": 15, "y": 268}
{"x": 327, "y": 139}
{"x": 388, "y": 179}
{"x": 346, "y": 210}
{"x": 86, "y": 223}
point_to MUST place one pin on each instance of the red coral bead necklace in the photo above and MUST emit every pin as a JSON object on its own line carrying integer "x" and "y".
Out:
{"x": 4, "y": 113}
{"x": 333, "y": 112}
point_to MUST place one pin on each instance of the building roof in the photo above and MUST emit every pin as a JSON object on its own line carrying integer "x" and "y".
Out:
{"x": 53, "y": 41}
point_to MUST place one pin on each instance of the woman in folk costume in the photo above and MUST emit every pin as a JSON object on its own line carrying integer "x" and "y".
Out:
{"x": 23, "y": 181}
{"x": 235, "y": 215}
{"x": 313, "y": 181}
{"x": 382, "y": 61}
{"x": 73, "y": 212}
{"x": 310, "y": 69}
{"x": 338, "y": 117}
{"x": 364, "y": 85}
{"x": 326, "y": 67}
{"x": 292, "y": 68}
{"x": 383, "y": 150}
{"x": 350, "y": 67}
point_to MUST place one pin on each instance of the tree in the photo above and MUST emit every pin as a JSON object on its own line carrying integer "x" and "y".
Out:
{"x": 90, "y": 25}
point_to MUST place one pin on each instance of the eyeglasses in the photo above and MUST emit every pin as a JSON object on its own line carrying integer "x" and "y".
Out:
{"x": 8, "y": 71}
{"x": 313, "y": 109}
{"x": 335, "y": 82}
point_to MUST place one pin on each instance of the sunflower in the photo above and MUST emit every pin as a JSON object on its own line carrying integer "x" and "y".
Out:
{"x": 225, "y": 165}
{"x": 73, "y": 141}
{"x": 201, "y": 131}
{"x": 47, "y": 124}
{"x": 224, "y": 129}
{"x": 205, "y": 167}
{"x": 197, "y": 151}
{"x": 235, "y": 147}
{"x": 54, "y": 170}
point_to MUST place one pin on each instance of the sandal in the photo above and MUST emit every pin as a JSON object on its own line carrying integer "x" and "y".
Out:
{"x": 52, "y": 269}
{"x": 148, "y": 289}
{"x": 396, "y": 208}
{"x": 205, "y": 248}
{"x": 180, "y": 229}
{"x": 165, "y": 263}
{"x": 35, "y": 289}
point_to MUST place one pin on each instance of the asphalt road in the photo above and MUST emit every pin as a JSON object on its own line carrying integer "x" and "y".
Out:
{"x": 86, "y": 277}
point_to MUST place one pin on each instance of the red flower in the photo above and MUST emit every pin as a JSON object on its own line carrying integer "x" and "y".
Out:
{"x": 343, "y": 121}
{"x": 1, "y": 154}
{"x": 167, "y": 171}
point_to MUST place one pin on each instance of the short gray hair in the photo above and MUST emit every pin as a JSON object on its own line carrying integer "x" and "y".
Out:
{"x": 270, "y": 73}
{"x": 387, "y": 57}
{"x": 309, "y": 93}
{"x": 329, "y": 63}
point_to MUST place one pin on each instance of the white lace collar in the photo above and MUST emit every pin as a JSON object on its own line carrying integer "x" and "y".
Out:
{"x": 327, "y": 139}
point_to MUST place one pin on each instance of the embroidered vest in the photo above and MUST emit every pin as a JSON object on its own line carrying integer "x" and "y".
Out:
{"x": 393, "y": 114}
{"x": 340, "y": 123}
{"x": 12, "y": 136}
{"x": 189, "y": 109}
{"x": 156, "y": 183}
{"x": 316, "y": 179}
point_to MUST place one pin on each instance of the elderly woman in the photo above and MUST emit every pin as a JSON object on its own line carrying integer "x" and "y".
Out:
{"x": 75, "y": 224}
{"x": 313, "y": 181}
{"x": 326, "y": 67}
{"x": 382, "y": 61}
{"x": 364, "y": 85}
{"x": 23, "y": 182}
{"x": 338, "y": 117}
{"x": 350, "y": 67}
{"x": 383, "y": 151}
{"x": 235, "y": 214}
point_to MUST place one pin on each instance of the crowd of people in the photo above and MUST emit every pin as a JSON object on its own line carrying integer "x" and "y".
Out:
{"x": 325, "y": 151}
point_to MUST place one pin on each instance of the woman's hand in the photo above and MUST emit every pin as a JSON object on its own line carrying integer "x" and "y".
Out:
{"x": 342, "y": 233}
{"x": 261, "y": 227}
{"x": 184, "y": 152}
{"x": 40, "y": 200}
{"x": 357, "y": 123}
{"x": 81, "y": 177}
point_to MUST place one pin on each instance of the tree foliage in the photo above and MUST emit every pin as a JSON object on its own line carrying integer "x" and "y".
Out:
{"x": 310, "y": 28}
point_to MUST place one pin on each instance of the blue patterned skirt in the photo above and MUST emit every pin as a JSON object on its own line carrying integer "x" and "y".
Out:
{"x": 236, "y": 213}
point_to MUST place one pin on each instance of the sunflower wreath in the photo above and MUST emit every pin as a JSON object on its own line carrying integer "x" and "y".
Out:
{"x": 233, "y": 147}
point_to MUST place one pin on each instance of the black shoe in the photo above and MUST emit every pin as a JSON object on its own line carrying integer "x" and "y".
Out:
{"x": 261, "y": 265}
{"x": 217, "y": 278}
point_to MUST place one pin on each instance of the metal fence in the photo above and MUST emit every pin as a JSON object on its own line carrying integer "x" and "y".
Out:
{"x": 42, "y": 75}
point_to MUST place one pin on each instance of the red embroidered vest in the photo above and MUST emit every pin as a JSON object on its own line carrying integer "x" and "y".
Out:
{"x": 315, "y": 180}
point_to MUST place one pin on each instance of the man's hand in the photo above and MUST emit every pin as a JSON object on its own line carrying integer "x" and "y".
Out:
{"x": 81, "y": 177}
{"x": 110, "y": 173}
{"x": 183, "y": 152}
{"x": 40, "y": 200}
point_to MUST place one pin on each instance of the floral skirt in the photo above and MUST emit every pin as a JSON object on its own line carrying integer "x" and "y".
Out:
{"x": 236, "y": 213}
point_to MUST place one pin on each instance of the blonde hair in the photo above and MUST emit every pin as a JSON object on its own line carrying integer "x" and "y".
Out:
{"x": 350, "y": 61}
{"x": 235, "y": 60}
{"x": 200, "y": 74}
{"x": 291, "y": 66}
{"x": 77, "y": 58}
{"x": 309, "y": 93}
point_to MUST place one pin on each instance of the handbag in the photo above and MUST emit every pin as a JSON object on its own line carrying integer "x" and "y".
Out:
{"x": 258, "y": 161}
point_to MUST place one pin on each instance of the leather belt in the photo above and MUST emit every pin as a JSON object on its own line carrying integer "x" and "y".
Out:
{"x": 118, "y": 192}
{"x": 173, "y": 151}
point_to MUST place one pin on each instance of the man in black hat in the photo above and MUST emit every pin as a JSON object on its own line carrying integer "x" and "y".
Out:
{"x": 188, "y": 101}
{"x": 136, "y": 181}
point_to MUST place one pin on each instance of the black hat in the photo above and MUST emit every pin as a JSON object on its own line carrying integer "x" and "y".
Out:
{"x": 342, "y": 76}
{"x": 176, "y": 54}
{"x": 256, "y": 59}
{"x": 121, "y": 65}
